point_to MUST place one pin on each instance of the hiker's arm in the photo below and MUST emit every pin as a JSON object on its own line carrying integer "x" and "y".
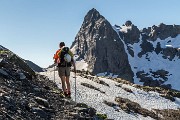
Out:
{"x": 55, "y": 58}
{"x": 70, "y": 53}
{"x": 73, "y": 61}
{"x": 74, "y": 65}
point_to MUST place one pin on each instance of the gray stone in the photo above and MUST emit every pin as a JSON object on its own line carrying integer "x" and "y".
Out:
{"x": 40, "y": 112}
{"x": 42, "y": 101}
{"x": 3, "y": 72}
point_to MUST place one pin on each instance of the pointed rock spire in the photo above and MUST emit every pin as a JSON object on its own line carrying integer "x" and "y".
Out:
{"x": 92, "y": 15}
{"x": 100, "y": 46}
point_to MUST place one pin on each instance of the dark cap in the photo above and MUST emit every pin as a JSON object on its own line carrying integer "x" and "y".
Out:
{"x": 62, "y": 44}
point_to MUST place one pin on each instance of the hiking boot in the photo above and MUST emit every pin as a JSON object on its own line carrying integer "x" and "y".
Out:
{"x": 65, "y": 94}
{"x": 69, "y": 95}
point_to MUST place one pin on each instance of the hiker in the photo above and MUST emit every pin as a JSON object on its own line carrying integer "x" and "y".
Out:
{"x": 64, "y": 59}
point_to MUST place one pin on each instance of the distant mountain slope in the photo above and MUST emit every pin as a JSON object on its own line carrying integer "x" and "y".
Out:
{"x": 153, "y": 53}
{"x": 34, "y": 66}
{"x": 15, "y": 59}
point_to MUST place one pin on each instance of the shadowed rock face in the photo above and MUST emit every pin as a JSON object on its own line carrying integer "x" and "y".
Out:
{"x": 34, "y": 66}
{"x": 101, "y": 47}
{"x": 132, "y": 35}
{"x": 161, "y": 31}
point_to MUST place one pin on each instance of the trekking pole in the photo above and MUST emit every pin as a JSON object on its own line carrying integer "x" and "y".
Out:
{"x": 75, "y": 87}
{"x": 54, "y": 72}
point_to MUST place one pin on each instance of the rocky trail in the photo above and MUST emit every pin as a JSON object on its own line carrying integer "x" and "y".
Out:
{"x": 122, "y": 100}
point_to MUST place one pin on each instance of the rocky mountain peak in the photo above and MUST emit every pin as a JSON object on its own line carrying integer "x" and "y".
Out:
{"x": 92, "y": 16}
{"x": 100, "y": 46}
{"x": 128, "y": 23}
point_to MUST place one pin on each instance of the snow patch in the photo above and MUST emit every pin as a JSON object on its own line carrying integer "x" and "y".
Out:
{"x": 125, "y": 29}
{"x": 177, "y": 101}
{"x": 1, "y": 60}
{"x": 73, "y": 49}
{"x": 168, "y": 45}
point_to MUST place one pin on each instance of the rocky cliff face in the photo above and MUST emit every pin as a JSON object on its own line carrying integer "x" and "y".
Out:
{"x": 100, "y": 46}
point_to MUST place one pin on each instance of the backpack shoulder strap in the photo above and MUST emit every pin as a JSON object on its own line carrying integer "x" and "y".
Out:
{"x": 59, "y": 52}
{"x": 70, "y": 53}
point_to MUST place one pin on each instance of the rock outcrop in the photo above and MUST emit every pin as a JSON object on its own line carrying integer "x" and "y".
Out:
{"x": 161, "y": 31}
{"x": 129, "y": 33}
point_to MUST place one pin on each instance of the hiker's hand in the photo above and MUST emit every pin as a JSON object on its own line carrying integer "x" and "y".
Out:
{"x": 75, "y": 75}
{"x": 75, "y": 71}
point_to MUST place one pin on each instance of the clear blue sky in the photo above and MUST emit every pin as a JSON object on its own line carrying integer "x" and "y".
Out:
{"x": 33, "y": 28}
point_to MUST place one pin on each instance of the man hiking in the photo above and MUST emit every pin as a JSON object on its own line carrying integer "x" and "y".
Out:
{"x": 64, "y": 60}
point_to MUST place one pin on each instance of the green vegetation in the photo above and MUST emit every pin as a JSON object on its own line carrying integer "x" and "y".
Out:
{"x": 101, "y": 116}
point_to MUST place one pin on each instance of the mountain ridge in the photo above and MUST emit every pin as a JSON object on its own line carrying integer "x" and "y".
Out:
{"x": 131, "y": 47}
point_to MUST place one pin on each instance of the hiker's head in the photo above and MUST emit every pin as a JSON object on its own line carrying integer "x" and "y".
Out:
{"x": 61, "y": 44}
